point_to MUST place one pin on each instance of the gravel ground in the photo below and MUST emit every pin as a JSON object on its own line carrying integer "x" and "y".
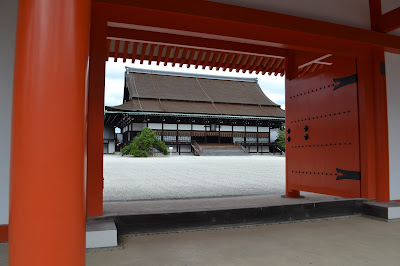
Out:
{"x": 129, "y": 178}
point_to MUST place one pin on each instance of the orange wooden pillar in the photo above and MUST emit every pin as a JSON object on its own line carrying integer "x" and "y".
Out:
{"x": 97, "y": 71}
{"x": 381, "y": 127}
{"x": 47, "y": 190}
{"x": 291, "y": 72}
{"x": 374, "y": 144}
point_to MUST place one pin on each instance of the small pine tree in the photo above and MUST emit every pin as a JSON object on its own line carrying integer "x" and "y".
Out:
{"x": 143, "y": 142}
{"x": 280, "y": 141}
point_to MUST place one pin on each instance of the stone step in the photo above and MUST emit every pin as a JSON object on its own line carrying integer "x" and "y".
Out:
{"x": 223, "y": 152}
{"x": 101, "y": 234}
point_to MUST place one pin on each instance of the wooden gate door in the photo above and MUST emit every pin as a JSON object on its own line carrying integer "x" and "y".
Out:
{"x": 322, "y": 145}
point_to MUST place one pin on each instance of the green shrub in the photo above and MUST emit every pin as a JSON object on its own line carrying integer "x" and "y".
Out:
{"x": 143, "y": 143}
{"x": 280, "y": 141}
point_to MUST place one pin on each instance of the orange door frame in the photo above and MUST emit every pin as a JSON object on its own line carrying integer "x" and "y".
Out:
{"x": 223, "y": 22}
{"x": 47, "y": 184}
{"x": 98, "y": 56}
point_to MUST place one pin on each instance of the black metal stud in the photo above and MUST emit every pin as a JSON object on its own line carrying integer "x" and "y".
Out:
{"x": 288, "y": 130}
{"x": 305, "y": 128}
{"x": 306, "y": 136}
{"x": 288, "y": 138}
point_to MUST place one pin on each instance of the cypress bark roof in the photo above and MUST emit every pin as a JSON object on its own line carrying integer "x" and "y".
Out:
{"x": 166, "y": 93}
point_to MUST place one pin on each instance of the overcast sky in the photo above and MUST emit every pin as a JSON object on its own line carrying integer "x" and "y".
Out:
{"x": 273, "y": 86}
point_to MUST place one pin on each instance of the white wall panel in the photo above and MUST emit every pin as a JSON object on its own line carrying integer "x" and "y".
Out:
{"x": 353, "y": 13}
{"x": 251, "y": 129}
{"x": 393, "y": 98}
{"x": 226, "y": 128}
{"x": 111, "y": 146}
{"x": 238, "y": 128}
{"x": 274, "y": 134}
{"x": 157, "y": 126}
{"x": 8, "y": 20}
{"x": 198, "y": 127}
{"x": 185, "y": 148}
{"x": 137, "y": 126}
{"x": 169, "y": 126}
{"x": 184, "y": 126}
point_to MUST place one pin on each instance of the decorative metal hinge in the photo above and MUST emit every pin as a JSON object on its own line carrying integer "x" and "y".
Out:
{"x": 345, "y": 174}
{"x": 345, "y": 81}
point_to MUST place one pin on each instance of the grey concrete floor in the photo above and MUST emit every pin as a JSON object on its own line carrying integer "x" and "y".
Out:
{"x": 343, "y": 241}
{"x": 177, "y": 177}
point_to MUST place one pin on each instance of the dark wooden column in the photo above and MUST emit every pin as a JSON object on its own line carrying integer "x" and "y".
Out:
{"x": 177, "y": 138}
{"x": 191, "y": 134}
{"x": 269, "y": 137}
{"x": 219, "y": 133}
{"x": 162, "y": 131}
{"x": 245, "y": 131}
{"x": 232, "y": 133}
{"x": 257, "y": 138}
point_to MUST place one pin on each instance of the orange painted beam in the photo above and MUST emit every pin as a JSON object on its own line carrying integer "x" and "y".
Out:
{"x": 214, "y": 60}
{"x": 389, "y": 21}
{"x": 108, "y": 48}
{"x": 199, "y": 57}
{"x": 248, "y": 64}
{"x": 143, "y": 53}
{"x": 184, "y": 55}
{"x": 269, "y": 67}
{"x": 134, "y": 51}
{"x": 192, "y": 42}
{"x": 95, "y": 114}
{"x": 176, "y": 55}
{"x": 153, "y": 47}
{"x": 280, "y": 67}
{"x": 116, "y": 52}
{"x": 242, "y": 61}
{"x": 192, "y": 53}
{"x": 244, "y": 25}
{"x": 224, "y": 57}
{"x": 167, "y": 55}
{"x": 375, "y": 11}
{"x": 207, "y": 59}
{"x": 3, "y": 233}
{"x": 263, "y": 64}
{"x": 47, "y": 224}
{"x": 160, "y": 52}
{"x": 256, "y": 63}
{"x": 234, "y": 59}
{"x": 126, "y": 43}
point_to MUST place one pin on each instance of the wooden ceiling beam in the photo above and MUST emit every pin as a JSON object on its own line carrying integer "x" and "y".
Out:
{"x": 116, "y": 48}
{"x": 160, "y": 52}
{"x": 126, "y": 44}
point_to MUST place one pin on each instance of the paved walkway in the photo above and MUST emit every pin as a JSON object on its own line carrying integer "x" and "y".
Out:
{"x": 185, "y": 176}
{"x": 344, "y": 241}
{"x": 341, "y": 241}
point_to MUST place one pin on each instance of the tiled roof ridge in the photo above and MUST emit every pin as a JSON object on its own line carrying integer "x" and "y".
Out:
{"x": 187, "y": 75}
{"x": 197, "y": 101}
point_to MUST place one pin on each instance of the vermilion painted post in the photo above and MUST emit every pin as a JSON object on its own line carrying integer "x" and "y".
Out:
{"x": 381, "y": 127}
{"x": 98, "y": 56}
{"x": 290, "y": 73}
{"x": 47, "y": 193}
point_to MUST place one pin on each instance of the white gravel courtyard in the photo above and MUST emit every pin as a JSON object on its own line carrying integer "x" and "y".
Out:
{"x": 129, "y": 178}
